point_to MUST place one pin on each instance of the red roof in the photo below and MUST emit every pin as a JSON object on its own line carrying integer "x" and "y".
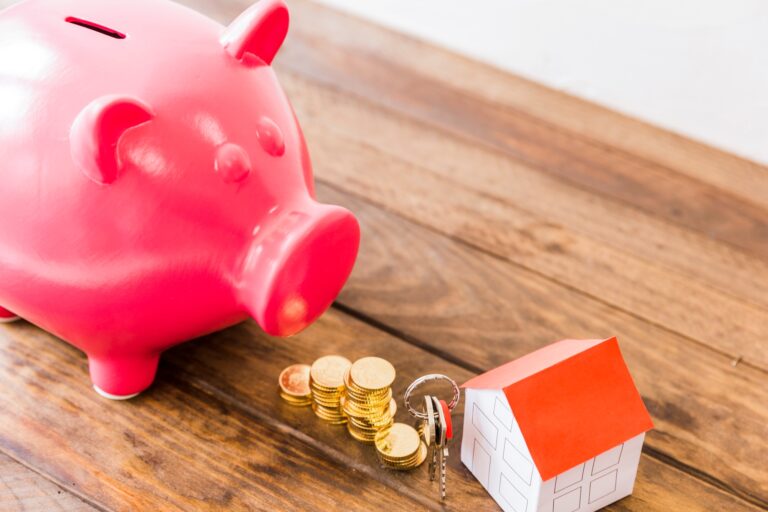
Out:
{"x": 573, "y": 400}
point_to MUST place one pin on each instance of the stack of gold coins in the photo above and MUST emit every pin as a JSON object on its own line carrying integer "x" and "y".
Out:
{"x": 420, "y": 429}
{"x": 368, "y": 403}
{"x": 400, "y": 447}
{"x": 326, "y": 380}
{"x": 294, "y": 385}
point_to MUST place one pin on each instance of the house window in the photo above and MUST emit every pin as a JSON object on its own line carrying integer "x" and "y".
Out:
{"x": 485, "y": 426}
{"x": 518, "y": 462}
{"x": 569, "y": 478}
{"x": 607, "y": 459}
{"x": 603, "y": 486}
{"x": 568, "y": 502}
{"x": 481, "y": 463}
{"x": 516, "y": 500}
{"x": 503, "y": 414}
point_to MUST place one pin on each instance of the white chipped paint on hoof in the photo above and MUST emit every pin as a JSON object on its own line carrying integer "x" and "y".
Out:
{"x": 9, "y": 319}
{"x": 113, "y": 397}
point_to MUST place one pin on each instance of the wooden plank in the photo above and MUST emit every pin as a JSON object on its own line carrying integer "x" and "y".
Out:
{"x": 481, "y": 311}
{"x": 665, "y": 487}
{"x": 507, "y": 91}
{"x": 212, "y": 432}
{"x": 601, "y": 125}
{"x": 174, "y": 448}
{"x": 23, "y": 490}
{"x": 385, "y": 80}
{"x": 235, "y": 369}
{"x": 499, "y": 214}
{"x": 492, "y": 173}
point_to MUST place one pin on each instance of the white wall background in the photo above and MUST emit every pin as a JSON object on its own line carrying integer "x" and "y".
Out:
{"x": 697, "y": 67}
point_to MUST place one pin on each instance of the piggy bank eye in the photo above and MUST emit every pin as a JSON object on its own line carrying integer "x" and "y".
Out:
{"x": 232, "y": 163}
{"x": 270, "y": 137}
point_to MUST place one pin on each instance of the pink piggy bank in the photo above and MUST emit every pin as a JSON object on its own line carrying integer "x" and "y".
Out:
{"x": 154, "y": 182}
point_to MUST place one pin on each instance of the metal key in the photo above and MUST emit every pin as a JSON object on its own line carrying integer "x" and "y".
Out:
{"x": 448, "y": 420}
{"x": 437, "y": 426}
{"x": 441, "y": 444}
{"x": 429, "y": 434}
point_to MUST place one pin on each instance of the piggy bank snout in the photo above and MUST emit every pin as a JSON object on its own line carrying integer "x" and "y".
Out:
{"x": 298, "y": 265}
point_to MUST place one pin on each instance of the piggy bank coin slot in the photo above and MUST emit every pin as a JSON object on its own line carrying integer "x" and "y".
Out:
{"x": 95, "y": 27}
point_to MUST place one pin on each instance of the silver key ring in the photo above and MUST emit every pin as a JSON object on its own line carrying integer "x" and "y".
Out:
{"x": 428, "y": 378}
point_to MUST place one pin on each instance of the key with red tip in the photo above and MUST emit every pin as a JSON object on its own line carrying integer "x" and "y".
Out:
{"x": 441, "y": 446}
{"x": 448, "y": 422}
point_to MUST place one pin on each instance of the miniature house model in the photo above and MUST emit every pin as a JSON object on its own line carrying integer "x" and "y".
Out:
{"x": 558, "y": 430}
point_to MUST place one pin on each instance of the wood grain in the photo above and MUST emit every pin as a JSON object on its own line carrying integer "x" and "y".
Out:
{"x": 174, "y": 448}
{"x": 540, "y": 240}
{"x": 337, "y": 333}
{"x": 23, "y": 490}
{"x": 740, "y": 177}
{"x": 383, "y": 77}
{"x": 213, "y": 431}
{"x": 478, "y": 310}
{"x": 491, "y": 173}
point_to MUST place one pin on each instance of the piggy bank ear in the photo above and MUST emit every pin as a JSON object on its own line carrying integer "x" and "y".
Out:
{"x": 96, "y": 132}
{"x": 260, "y": 31}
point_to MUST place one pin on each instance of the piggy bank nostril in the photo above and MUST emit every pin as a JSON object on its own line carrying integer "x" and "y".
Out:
{"x": 232, "y": 163}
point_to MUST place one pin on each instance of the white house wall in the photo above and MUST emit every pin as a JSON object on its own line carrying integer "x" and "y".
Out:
{"x": 596, "y": 483}
{"x": 493, "y": 448}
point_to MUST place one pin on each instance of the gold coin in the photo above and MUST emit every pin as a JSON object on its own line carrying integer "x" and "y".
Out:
{"x": 365, "y": 410}
{"x": 322, "y": 389}
{"x": 393, "y": 407}
{"x": 363, "y": 438}
{"x": 399, "y": 441}
{"x": 366, "y": 434}
{"x": 410, "y": 459}
{"x": 336, "y": 422}
{"x": 334, "y": 419}
{"x": 325, "y": 403}
{"x": 350, "y": 384}
{"x": 420, "y": 456}
{"x": 293, "y": 400}
{"x": 367, "y": 398}
{"x": 378, "y": 420}
{"x": 360, "y": 435}
{"x": 328, "y": 411}
{"x": 362, "y": 428}
{"x": 328, "y": 371}
{"x": 372, "y": 373}
{"x": 417, "y": 460}
{"x": 294, "y": 397}
{"x": 363, "y": 393}
{"x": 371, "y": 425}
{"x": 403, "y": 461}
{"x": 373, "y": 416}
{"x": 294, "y": 380}
{"x": 299, "y": 404}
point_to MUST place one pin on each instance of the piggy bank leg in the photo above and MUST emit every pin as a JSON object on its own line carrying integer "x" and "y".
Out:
{"x": 120, "y": 376}
{"x": 6, "y": 316}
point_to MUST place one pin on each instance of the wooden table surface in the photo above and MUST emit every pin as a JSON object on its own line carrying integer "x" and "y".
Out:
{"x": 498, "y": 216}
